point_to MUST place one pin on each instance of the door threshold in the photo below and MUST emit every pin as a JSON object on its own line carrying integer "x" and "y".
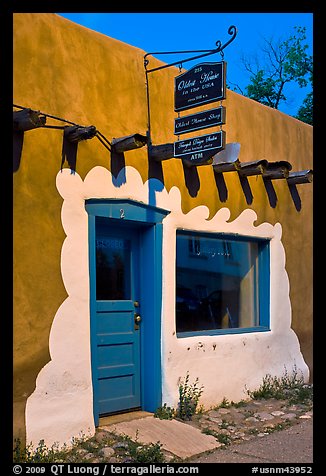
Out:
{"x": 120, "y": 417}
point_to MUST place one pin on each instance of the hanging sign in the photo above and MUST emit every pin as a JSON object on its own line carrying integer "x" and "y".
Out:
{"x": 201, "y": 120}
{"x": 200, "y": 150}
{"x": 202, "y": 84}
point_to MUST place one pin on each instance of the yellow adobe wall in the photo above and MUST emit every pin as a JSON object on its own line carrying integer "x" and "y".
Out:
{"x": 69, "y": 71}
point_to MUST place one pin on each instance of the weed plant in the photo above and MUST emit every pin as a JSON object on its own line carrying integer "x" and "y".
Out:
{"x": 165, "y": 413}
{"x": 189, "y": 395}
{"x": 221, "y": 437}
{"x": 132, "y": 450}
{"x": 288, "y": 387}
{"x": 224, "y": 403}
{"x": 151, "y": 453}
{"x": 40, "y": 454}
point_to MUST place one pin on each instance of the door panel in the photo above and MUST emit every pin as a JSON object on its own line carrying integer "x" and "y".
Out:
{"x": 117, "y": 336}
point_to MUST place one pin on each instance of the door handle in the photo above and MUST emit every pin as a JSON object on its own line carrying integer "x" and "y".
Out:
{"x": 137, "y": 318}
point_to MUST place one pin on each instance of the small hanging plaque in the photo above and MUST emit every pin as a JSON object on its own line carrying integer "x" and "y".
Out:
{"x": 201, "y": 120}
{"x": 202, "y": 84}
{"x": 200, "y": 150}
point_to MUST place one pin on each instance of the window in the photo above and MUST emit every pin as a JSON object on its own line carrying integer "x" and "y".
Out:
{"x": 222, "y": 284}
{"x": 112, "y": 268}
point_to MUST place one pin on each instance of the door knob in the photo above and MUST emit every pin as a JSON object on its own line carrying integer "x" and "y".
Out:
{"x": 137, "y": 318}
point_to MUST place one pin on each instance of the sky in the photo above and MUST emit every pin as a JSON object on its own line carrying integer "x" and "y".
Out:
{"x": 154, "y": 32}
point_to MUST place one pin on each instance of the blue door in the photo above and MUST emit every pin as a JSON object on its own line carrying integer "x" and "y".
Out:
{"x": 117, "y": 315}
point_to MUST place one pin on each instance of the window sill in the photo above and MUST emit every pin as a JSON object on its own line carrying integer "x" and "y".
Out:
{"x": 215, "y": 332}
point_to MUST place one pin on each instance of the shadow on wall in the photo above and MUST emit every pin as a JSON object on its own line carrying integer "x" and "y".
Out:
{"x": 272, "y": 197}
{"x": 270, "y": 190}
{"x": 18, "y": 142}
{"x": 69, "y": 153}
{"x": 191, "y": 180}
{"x": 118, "y": 164}
{"x": 221, "y": 187}
{"x": 295, "y": 196}
{"x": 155, "y": 170}
{"x": 269, "y": 187}
{"x": 244, "y": 182}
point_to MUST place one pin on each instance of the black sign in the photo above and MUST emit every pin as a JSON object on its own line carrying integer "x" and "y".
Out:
{"x": 199, "y": 150}
{"x": 202, "y": 84}
{"x": 201, "y": 120}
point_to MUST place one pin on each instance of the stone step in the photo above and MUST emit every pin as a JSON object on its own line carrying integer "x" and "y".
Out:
{"x": 178, "y": 438}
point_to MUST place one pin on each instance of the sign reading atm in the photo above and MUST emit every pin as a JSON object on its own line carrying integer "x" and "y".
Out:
{"x": 202, "y": 84}
{"x": 200, "y": 150}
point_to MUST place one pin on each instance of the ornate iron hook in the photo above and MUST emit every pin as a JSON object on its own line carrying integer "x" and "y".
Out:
{"x": 231, "y": 31}
{"x": 219, "y": 45}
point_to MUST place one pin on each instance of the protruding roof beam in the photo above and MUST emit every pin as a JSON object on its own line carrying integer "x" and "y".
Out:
{"x": 123, "y": 144}
{"x": 227, "y": 159}
{"x": 77, "y": 133}
{"x": 27, "y": 119}
{"x": 161, "y": 152}
{"x": 303, "y": 176}
{"x": 256, "y": 167}
{"x": 277, "y": 170}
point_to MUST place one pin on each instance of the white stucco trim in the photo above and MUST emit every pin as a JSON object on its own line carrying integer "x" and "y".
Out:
{"x": 61, "y": 406}
{"x": 227, "y": 365}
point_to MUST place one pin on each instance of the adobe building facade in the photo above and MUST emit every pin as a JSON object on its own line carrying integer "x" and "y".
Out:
{"x": 130, "y": 273}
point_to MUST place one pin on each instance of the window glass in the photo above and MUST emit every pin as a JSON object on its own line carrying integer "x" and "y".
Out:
{"x": 112, "y": 268}
{"x": 217, "y": 283}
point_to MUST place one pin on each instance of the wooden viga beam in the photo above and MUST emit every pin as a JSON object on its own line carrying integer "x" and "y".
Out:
{"x": 78, "y": 133}
{"x": 123, "y": 144}
{"x": 161, "y": 152}
{"x": 277, "y": 170}
{"x": 27, "y": 119}
{"x": 303, "y": 176}
{"x": 256, "y": 167}
{"x": 227, "y": 159}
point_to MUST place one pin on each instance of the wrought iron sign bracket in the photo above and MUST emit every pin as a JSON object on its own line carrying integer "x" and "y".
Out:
{"x": 219, "y": 49}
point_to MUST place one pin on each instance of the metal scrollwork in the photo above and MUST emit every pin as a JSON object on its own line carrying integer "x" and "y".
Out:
{"x": 219, "y": 49}
{"x": 231, "y": 31}
{"x": 219, "y": 45}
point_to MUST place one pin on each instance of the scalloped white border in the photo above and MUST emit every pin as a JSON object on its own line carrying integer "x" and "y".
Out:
{"x": 61, "y": 407}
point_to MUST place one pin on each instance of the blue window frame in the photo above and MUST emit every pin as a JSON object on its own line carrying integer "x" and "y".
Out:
{"x": 222, "y": 284}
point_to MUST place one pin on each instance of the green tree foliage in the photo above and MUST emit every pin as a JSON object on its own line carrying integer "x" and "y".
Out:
{"x": 284, "y": 62}
{"x": 305, "y": 113}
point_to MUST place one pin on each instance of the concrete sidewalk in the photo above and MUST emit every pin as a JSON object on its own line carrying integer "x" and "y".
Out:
{"x": 293, "y": 445}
